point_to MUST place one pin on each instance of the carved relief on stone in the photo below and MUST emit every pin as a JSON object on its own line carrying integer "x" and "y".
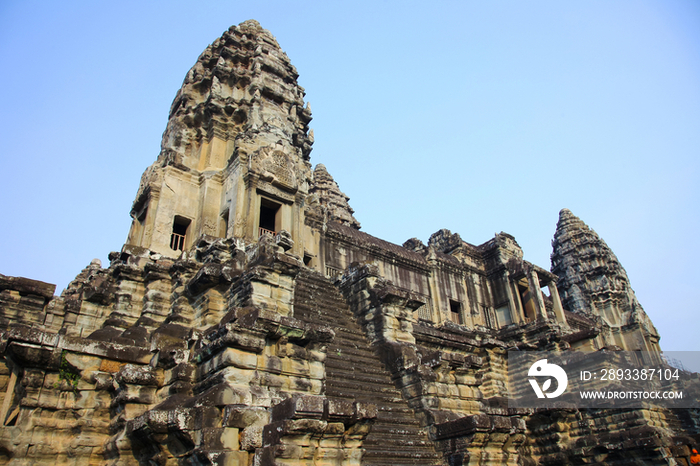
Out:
{"x": 209, "y": 228}
{"x": 276, "y": 168}
{"x": 239, "y": 226}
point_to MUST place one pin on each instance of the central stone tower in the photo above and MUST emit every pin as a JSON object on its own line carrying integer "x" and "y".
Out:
{"x": 234, "y": 159}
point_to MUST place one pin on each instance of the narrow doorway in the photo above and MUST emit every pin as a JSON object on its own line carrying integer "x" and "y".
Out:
{"x": 269, "y": 221}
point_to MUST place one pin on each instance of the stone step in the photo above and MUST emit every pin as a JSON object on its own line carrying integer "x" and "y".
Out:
{"x": 406, "y": 442}
{"x": 353, "y": 395}
{"x": 360, "y": 376}
{"x": 330, "y": 321}
{"x": 354, "y": 365}
{"x": 401, "y": 420}
{"x": 357, "y": 356}
{"x": 343, "y": 337}
{"x": 402, "y": 455}
{"x": 393, "y": 462}
{"x": 392, "y": 429}
{"x": 368, "y": 389}
{"x": 367, "y": 355}
{"x": 355, "y": 372}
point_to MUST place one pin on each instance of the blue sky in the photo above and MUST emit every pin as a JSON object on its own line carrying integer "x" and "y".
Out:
{"x": 478, "y": 117}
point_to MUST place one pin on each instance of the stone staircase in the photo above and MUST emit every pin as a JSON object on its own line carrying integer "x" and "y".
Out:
{"x": 355, "y": 372}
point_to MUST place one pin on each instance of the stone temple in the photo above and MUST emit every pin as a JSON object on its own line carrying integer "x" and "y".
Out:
{"x": 248, "y": 320}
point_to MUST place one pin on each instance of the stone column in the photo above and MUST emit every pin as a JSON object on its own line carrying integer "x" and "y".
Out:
{"x": 516, "y": 313}
{"x": 466, "y": 308}
{"x": 536, "y": 292}
{"x": 209, "y": 205}
{"x": 556, "y": 302}
{"x": 436, "y": 314}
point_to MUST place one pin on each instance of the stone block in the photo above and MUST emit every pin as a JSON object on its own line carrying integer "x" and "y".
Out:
{"x": 299, "y": 407}
{"x": 365, "y": 411}
{"x": 251, "y": 438}
{"x": 207, "y": 416}
{"x": 340, "y": 409}
{"x": 222, "y": 438}
{"x": 272, "y": 381}
{"x": 244, "y": 416}
{"x": 229, "y": 458}
{"x": 281, "y": 295}
{"x": 288, "y": 451}
{"x": 295, "y": 367}
{"x": 236, "y": 376}
{"x": 303, "y": 384}
{"x": 263, "y": 396}
{"x": 334, "y": 429}
{"x": 224, "y": 394}
{"x": 261, "y": 291}
{"x": 88, "y": 439}
{"x": 273, "y": 365}
{"x": 317, "y": 370}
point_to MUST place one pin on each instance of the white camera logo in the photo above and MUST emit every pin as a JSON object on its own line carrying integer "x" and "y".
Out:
{"x": 542, "y": 369}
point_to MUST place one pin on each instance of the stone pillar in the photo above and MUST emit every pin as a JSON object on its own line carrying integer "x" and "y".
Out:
{"x": 297, "y": 228}
{"x": 466, "y": 308}
{"x": 519, "y": 300}
{"x": 516, "y": 312}
{"x": 209, "y": 206}
{"x": 536, "y": 293}
{"x": 436, "y": 315}
{"x": 556, "y": 302}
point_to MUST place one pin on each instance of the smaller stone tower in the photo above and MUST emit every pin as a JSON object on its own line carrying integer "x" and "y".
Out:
{"x": 593, "y": 283}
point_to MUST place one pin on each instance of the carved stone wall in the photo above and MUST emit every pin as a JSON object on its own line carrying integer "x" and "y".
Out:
{"x": 248, "y": 321}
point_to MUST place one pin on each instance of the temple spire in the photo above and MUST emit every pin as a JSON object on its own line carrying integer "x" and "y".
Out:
{"x": 234, "y": 159}
{"x": 331, "y": 198}
{"x": 593, "y": 282}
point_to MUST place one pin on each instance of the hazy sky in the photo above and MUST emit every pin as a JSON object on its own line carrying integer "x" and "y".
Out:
{"x": 478, "y": 117}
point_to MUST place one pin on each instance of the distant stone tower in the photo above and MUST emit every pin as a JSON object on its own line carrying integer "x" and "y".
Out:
{"x": 234, "y": 159}
{"x": 332, "y": 203}
{"x": 593, "y": 283}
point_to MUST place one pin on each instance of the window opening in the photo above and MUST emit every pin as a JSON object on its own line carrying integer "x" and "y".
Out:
{"x": 141, "y": 217}
{"x": 488, "y": 318}
{"x": 223, "y": 224}
{"x": 423, "y": 313}
{"x": 456, "y": 312}
{"x": 11, "y": 403}
{"x": 268, "y": 217}
{"x": 177, "y": 238}
{"x": 503, "y": 316}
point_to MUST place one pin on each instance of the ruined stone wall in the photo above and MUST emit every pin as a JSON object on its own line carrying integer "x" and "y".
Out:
{"x": 455, "y": 378}
{"x": 188, "y": 372}
{"x": 227, "y": 348}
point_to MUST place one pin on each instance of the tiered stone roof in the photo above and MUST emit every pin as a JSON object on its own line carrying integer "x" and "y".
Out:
{"x": 332, "y": 200}
{"x": 590, "y": 273}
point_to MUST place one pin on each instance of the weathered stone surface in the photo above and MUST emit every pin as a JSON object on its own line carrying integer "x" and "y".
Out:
{"x": 247, "y": 320}
{"x": 333, "y": 203}
{"x": 593, "y": 283}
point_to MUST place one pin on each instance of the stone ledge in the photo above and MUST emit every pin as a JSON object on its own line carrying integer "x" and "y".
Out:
{"x": 34, "y": 336}
{"x": 27, "y": 286}
{"x": 469, "y": 425}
